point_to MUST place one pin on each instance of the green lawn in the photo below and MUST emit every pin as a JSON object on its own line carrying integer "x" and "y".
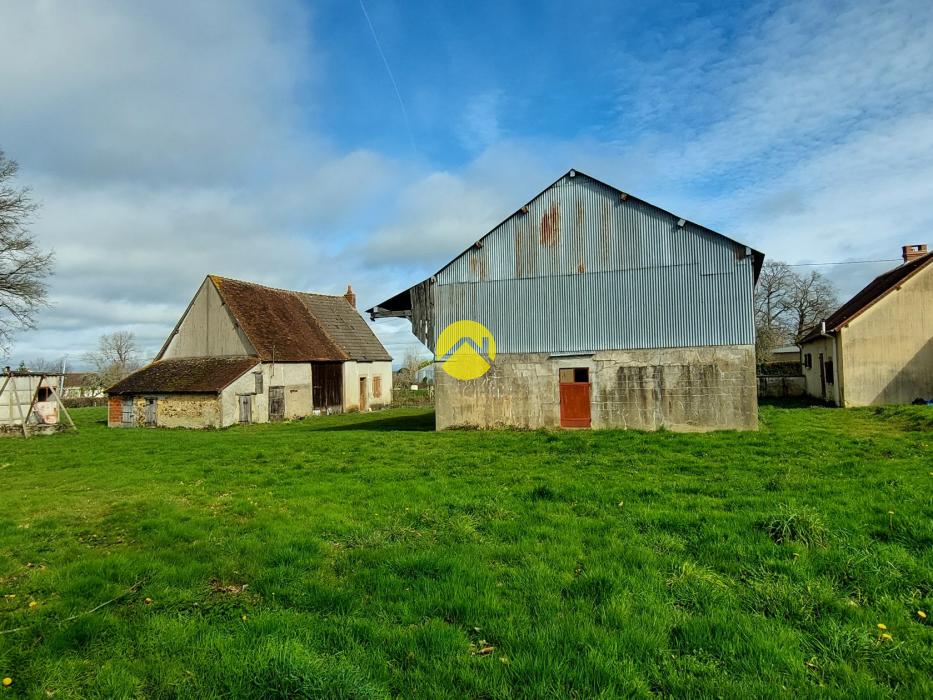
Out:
{"x": 366, "y": 556}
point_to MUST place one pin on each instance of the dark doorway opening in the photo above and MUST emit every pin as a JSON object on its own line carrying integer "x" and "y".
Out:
{"x": 327, "y": 386}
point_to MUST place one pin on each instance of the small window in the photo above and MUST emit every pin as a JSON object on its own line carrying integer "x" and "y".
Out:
{"x": 258, "y": 377}
{"x": 377, "y": 387}
{"x": 829, "y": 372}
{"x": 574, "y": 375}
{"x": 808, "y": 361}
{"x": 44, "y": 394}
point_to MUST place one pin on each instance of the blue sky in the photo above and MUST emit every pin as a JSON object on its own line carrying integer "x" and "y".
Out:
{"x": 265, "y": 140}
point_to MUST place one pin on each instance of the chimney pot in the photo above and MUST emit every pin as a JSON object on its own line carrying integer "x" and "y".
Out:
{"x": 912, "y": 252}
{"x": 350, "y": 296}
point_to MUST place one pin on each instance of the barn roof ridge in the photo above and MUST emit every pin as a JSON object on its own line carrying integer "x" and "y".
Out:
{"x": 223, "y": 278}
{"x": 757, "y": 256}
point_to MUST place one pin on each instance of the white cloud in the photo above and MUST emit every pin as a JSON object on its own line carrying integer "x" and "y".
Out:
{"x": 167, "y": 141}
{"x": 164, "y": 143}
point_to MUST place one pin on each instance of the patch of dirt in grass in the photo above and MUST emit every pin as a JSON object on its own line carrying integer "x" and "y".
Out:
{"x": 219, "y": 587}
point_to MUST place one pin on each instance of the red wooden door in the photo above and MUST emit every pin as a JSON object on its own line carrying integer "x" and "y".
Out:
{"x": 575, "y": 400}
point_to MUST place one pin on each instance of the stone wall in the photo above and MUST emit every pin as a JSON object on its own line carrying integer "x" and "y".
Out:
{"x": 684, "y": 389}
{"x": 185, "y": 411}
{"x": 172, "y": 411}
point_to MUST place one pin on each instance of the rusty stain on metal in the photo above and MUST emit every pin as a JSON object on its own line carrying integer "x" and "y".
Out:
{"x": 605, "y": 233}
{"x": 581, "y": 266}
{"x": 478, "y": 267}
{"x": 550, "y": 225}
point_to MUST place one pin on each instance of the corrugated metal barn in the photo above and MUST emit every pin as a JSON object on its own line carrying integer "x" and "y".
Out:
{"x": 587, "y": 285}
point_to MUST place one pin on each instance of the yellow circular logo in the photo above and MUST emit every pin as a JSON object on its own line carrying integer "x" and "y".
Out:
{"x": 466, "y": 350}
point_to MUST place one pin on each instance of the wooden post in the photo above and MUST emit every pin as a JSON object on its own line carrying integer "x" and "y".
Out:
{"x": 63, "y": 409}
{"x": 10, "y": 407}
{"x": 19, "y": 408}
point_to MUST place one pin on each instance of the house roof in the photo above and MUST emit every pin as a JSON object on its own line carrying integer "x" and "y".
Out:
{"x": 192, "y": 375}
{"x": 75, "y": 379}
{"x": 346, "y": 327}
{"x": 401, "y": 302}
{"x": 872, "y": 292}
{"x": 288, "y": 326}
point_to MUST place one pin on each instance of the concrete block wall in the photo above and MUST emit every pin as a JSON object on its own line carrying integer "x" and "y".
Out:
{"x": 684, "y": 389}
{"x": 781, "y": 387}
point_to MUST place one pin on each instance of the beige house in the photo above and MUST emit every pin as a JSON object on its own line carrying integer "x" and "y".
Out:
{"x": 877, "y": 348}
{"x": 245, "y": 353}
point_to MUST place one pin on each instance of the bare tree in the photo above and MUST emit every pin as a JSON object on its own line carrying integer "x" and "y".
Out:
{"x": 812, "y": 299}
{"x": 45, "y": 365}
{"x": 23, "y": 267}
{"x": 116, "y": 356}
{"x": 787, "y": 304}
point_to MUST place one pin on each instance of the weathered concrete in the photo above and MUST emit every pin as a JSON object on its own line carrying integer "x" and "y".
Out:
{"x": 353, "y": 372}
{"x": 778, "y": 387}
{"x": 684, "y": 389}
{"x": 295, "y": 377}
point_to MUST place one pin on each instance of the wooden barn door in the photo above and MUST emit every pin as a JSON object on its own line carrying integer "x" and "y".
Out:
{"x": 575, "y": 397}
{"x": 151, "y": 411}
{"x": 276, "y": 403}
{"x": 327, "y": 385}
{"x": 246, "y": 408}
{"x": 363, "y": 394}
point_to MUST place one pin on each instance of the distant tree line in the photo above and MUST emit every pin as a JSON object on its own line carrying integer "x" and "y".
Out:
{"x": 115, "y": 357}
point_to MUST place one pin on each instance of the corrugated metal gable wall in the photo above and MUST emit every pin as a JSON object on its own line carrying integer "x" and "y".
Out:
{"x": 583, "y": 270}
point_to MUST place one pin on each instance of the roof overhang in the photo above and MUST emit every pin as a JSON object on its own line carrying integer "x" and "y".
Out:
{"x": 398, "y": 306}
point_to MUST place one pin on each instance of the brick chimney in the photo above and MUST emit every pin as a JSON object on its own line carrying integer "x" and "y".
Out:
{"x": 912, "y": 252}
{"x": 351, "y": 297}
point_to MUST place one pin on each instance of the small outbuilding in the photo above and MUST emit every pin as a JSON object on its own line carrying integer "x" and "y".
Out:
{"x": 246, "y": 353}
{"x": 877, "y": 348}
{"x": 30, "y": 403}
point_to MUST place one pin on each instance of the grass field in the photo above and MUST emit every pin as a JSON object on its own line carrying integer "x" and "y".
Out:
{"x": 364, "y": 556}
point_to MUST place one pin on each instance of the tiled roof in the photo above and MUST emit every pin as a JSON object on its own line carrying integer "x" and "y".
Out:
{"x": 346, "y": 327}
{"x": 193, "y": 375}
{"x": 75, "y": 379}
{"x": 277, "y": 322}
{"x": 289, "y": 326}
{"x": 873, "y": 291}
